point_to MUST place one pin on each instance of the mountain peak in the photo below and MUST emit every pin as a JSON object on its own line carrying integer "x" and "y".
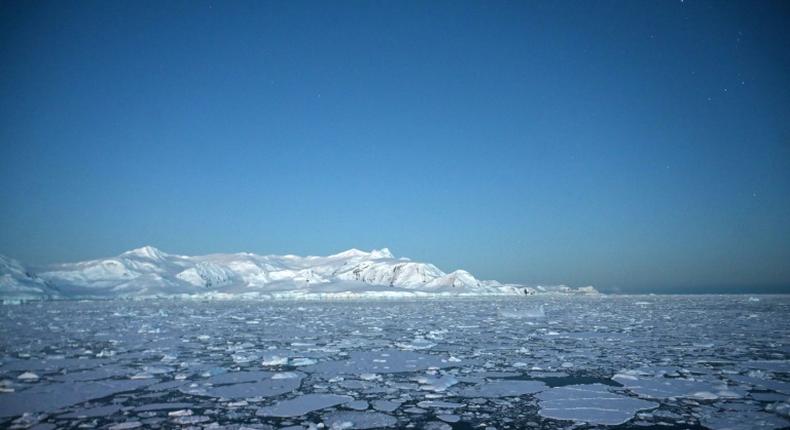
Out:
{"x": 147, "y": 251}
{"x": 353, "y": 252}
{"x": 381, "y": 253}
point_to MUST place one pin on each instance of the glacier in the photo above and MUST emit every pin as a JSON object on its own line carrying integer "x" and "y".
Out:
{"x": 148, "y": 272}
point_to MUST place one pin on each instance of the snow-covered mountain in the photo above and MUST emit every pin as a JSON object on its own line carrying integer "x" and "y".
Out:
{"x": 18, "y": 284}
{"x": 149, "y": 272}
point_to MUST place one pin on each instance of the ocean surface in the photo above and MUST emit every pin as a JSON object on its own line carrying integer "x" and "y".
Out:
{"x": 555, "y": 362}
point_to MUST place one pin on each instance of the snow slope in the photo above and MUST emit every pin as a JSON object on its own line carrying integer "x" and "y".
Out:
{"x": 149, "y": 272}
{"x": 18, "y": 284}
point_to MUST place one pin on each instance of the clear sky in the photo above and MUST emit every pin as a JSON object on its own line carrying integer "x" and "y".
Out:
{"x": 632, "y": 145}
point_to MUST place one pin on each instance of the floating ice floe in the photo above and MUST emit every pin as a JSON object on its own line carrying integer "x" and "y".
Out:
{"x": 386, "y": 405}
{"x": 261, "y": 388}
{"x": 765, "y": 383}
{"x": 389, "y": 361}
{"x": 99, "y": 411}
{"x": 739, "y": 416}
{"x": 438, "y": 384}
{"x": 503, "y": 389}
{"x": 593, "y": 404}
{"x": 782, "y": 366}
{"x": 51, "y": 397}
{"x": 287, "y": 375}
{"x": 357, "y": 405}
{"x": 703, "y": 359}
{"x": 664, "y": 388}
{"x": 103, "y": 372}
{"x": 416, "y": 344}
{"x": 302, "y": 405}
{"x": 449, "y": 418}
{"x": 166, "y": 386}
{"x": 54, "y": 364}
{"x": 162, "y": 406}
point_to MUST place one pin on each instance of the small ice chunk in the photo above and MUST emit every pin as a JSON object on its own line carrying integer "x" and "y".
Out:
{"x": 28, "y": 376}
{"x": 274, "y": 359}
{"x": 436, "y": 425}
{"x": 436, "y": 384}
{"x": 189, "y": 420}
{"x": 243, "y": 357}
{"x": 358, "y": 420}
{"x": 438, "y": 404}
{"x": 126, "y": 425}
{"x": 416, "y": 344}
{"x": 162, "y": 406}
{"x": 302, "y": 361}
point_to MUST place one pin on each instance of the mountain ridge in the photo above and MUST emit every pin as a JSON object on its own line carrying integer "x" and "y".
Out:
{"x": 148, "y": 272}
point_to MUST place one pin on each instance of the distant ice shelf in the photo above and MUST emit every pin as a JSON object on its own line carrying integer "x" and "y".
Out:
{"x": 148, "y": 272}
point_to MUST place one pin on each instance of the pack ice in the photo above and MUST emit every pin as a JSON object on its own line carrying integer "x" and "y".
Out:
{"x": 582, "y": 361}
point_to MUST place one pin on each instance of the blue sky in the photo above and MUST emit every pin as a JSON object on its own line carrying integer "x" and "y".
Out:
{"x": 632, "y": 145}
